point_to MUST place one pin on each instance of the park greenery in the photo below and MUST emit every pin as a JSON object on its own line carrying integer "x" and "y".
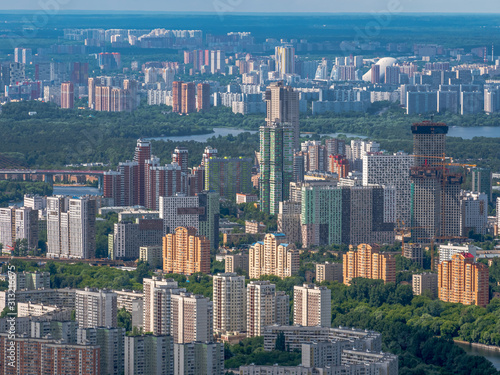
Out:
{"x": 88, "y": 136}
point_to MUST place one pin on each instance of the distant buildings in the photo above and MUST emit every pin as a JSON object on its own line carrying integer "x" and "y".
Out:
{"x": 149, "y": 355}
{"x": 446, "y": 251}
{"x": 96, "y": 308}
{"x": 228, "y": 176}
{"x": 329, "y": 272}
{"x": 191, "y": 319}
{"x": 461, "y": 280}
{"x": 482, "y": 181}
{"x": 369, "y": 263}
{"x": 199, "y": 358}
{"x": 67, "y": 95}
{"x": 425, "y": 283}
{"x": 19, "y": 224}
{"x": 273, "y": 256}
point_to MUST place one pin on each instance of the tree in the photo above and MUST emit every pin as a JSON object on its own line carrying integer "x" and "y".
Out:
{"x": 280, "y": 342}
{"x": 124, "y": 319}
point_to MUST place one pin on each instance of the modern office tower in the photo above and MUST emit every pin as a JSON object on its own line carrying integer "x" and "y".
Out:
{"x": 425, "y": 283}
{"x": 162, "y": 181}
{"x": 157, "y": 304}
{"x": 375, "y": 73}
{"x": 228, "y": 176}
{"x": 200, "y": 212}
{"x": 149, "y": 355}
{"x": 312, "y": 306}
{"x": 276, "y": 165}
{"x": 335, "y": 146}
{"x": 338, "y": 164}
{"x": 67, "y": 95}
{"x": 235, "y": 262}
{"x": 199, "y": 358}
{"x": 71, "y": 231}
{"x": 350, "y": 215}
{"x": 461, "y": 280}
{"x": 19, "y": 224}
{"x": 447, "y": 251}
{"x": 435, "y": 191}
{"x": 111, "y": 342}
{"x": 45, "y": 356}
{"x": 285, "y": 60}
{"x": 96, "y": 308}
{"x": 414, "y": 252}
{"x": 229, "y": 299}
{"x": 129, "y": 236}
{"x": 192, "y": 318}
{"x": 369, "y": 263}
{"x": 177, "y": 96}
{"x": 391, "y": 170}
{"x": 282, "y": 104}
{"x": 482, "y": 181}
{"x": 181, "y": 157}
{"x": 273, "y": 257}
{"x": 203, "y": 97}
{"x": 329, "y": 272}
{"x": 473, "y": 213}
{"x": 188, "y": 104}
{"x": 185, "y": 252}
{"x": 392, "y": 75}
{"x": 289, "y": 221}
{"x": 141, "y": 154}
{"x": 261, "y": 307}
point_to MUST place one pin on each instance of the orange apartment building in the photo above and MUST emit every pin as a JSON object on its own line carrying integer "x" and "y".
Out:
{"x": 186, "y": 253}
{"x": 369, "y": 263}
{"x": 461, "y": 280}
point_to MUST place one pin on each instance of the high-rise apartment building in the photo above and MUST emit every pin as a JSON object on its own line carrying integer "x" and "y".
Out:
{"x": 235, "y": 262}
{"x": 369, "y": 263}
{"x": 289, "y": 220}
{"x": 185, "y": 252}
{"x": 157, "y": 304}
{"x": 200, "y": 212}
{"x": 129, "y": 236}
{"x": 329, "y": 272}
{"x": 446, "y": 251}
{"x": 19, "y": 224}
{"x": 473, "y": 213}
{"x": 141, "y": 154}
{"x": 96, "y": 308}
{"x": 192, "y": 318}
{"x": 338, "y": 164}
{"x": 391, "y": 170}
{"x": 217, "y": 61}
{"x": 162, "y": 181}
{"x": 414, "y": 252}
{"x": 229, "y": 299}
{"x": 312, "y": 306}
{"x": 482, "y": 182}
{"x": 228, "y": 176}
{"x": 44, "y": 356}
{"x": 203, "y": 97}
{"x": 199, "y": 358}
{"x": 111, "y": 342}
{"x": 177, "y": 96}
{"x": 425, "y": 283}
{"x": 188, "y": 103}
{"x": 71, "y": 228}
{"x": 282, "y": 104}
{"x": 435, "y": 191}
{"x": 375, "y": 73}
{"x": 181, "y": 157}
{"x": 285, "y": 60}
{"x": 149, "y": 355}
{"x": 273, "y": 256}
{"x": 461, "y": 280}
{"x": 67, "y": 95}
{"x": 276, "y": 165}
{"x": 261, "y": 307}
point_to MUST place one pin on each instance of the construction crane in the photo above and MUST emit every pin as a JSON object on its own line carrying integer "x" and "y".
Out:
{"x": 444, "y": 162}
{"x": 402, "y": 230}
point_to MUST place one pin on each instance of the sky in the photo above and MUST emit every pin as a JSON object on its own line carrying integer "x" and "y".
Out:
{"x": 237, "y": 6}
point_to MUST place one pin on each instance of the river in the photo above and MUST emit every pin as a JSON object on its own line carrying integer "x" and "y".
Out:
{"x": 465, "y": 133}
{"x": 490, "y": 355}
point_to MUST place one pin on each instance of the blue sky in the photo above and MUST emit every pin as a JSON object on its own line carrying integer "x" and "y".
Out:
{"x": 333, "y": 6}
